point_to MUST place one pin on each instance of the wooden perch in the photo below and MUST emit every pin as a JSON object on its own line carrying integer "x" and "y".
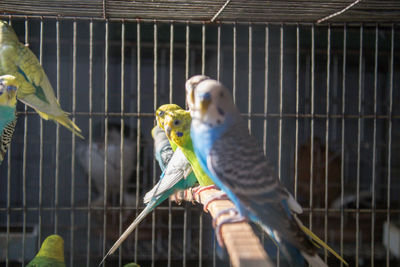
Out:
{"x": 243, "y": 246}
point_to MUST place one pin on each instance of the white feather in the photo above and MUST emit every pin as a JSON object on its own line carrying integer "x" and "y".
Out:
{"x": 177, "y": 169}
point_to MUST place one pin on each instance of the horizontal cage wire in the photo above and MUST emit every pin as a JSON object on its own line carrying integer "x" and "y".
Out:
{"x": 321, "y": 100}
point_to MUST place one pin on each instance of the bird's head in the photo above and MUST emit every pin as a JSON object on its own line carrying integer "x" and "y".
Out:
{"x": 190, "y": 87}
{"x": 177, "y": 126}
{"x": 162, "y": 111}
{"x": 52, "y": 247}
{"x": 212, "y": 102}
{"x": 7, "y": 34}
{"x": 8, "y": 91}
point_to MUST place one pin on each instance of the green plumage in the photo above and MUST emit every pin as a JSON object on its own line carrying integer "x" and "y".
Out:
{"x": 34, "y": 88}
{"x": 51, "y": 253}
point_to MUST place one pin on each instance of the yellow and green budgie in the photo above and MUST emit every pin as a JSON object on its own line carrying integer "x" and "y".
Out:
{"x": 8, "y": 118}
{"x": 176, "y": 123}
{"x": 51, "y": 253}
{"x": 34, "y": 88}
{"x": 160, "y": 117}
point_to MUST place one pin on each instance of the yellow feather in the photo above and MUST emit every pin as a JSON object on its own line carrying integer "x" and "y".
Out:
{"x": 63, "y": 120}
{"x": 319, "y": 241}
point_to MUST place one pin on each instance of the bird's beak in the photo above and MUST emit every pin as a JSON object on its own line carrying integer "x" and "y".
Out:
{"x": 168, "y": 129}
{"x": 204, "y": 103}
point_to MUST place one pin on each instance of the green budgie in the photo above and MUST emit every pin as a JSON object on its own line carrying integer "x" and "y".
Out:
{"x": 51, "y": 253}
{"x": 34, "y": 88}
{"x": 160, "y": 117}
{"x": 132, "y": 264}
{"x": 8, "y": 118}
{"x": 176, "y": 123}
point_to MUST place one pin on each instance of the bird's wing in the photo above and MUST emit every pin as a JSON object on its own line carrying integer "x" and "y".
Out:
{"x": 241, "y": 166}
{"x": 178, "y": 168}
{"x": 5, "y": 138}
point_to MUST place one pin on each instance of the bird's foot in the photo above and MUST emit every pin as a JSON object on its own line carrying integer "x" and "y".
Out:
{"x": 180, "y": 196}
{"x": 220, "y": 195}
{"x": 198, "y": 189}
{"x": 235, "y": 217}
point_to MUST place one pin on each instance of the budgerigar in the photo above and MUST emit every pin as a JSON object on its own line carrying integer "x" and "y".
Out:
{"x": 160, "y": 117}
{"x": 51, "y": 253}
{"x": 177, "y": 127}
{"x": 177, "y": 175}
{"x": 8, "y": 118}
{"x": 237, "y": 165}
{"x": 34, "y": 88}
{"x": 132, "y": 264}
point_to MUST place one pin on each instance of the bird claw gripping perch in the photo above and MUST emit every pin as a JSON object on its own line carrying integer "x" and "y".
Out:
{"x": 198, "y": 189}
{"x": 235, "y": 218}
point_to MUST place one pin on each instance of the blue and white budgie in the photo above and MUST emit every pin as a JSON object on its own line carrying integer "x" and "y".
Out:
{"x": 237, "y": 165}
{"x": 177, "y": 175}
{"x": 8, "y": 118}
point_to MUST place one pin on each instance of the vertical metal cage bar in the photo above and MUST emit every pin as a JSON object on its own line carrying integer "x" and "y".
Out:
{"x": 280, "y": 116}
{"x": 342, "y": 156}
{"x": 171, "y": 62}
{"x": 122, "y": 131}
{"x": 296, "y": 152}
{"x": 203, "y": 65}
{"x": 8, "y": 202}
{"x": 41, "y": 147}
{"x": 171, "y": 66}
{"x": 328, "y": 71}
{"x": 359, "y": 146}
{"x": 234, "y": 63}
{"x": 389, "y": 155}
{"x": 250, "y": 76}
{"x": 8, "y": 197}
{"x": 265, "y": 123}
{"x": 280, "y": 103}
{"x": 373, "y": 206}
{"x": 90, "y": 141}
{"x": 312, "y": 124}
{"x": 155, "y": 105}
{"x": 56, "y": 175}
{"x": 219, "y": 52}
{"x": 266, "y": 61}
{"x": 139, "y": 123}
{"x": 185, "y": 212}
{"x": 105, "y": 138}
{"x": 24, "y": 159}
{"x": 73, "y": 142}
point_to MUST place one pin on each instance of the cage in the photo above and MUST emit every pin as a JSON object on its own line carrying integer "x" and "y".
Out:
{"x": 320, "y": 98}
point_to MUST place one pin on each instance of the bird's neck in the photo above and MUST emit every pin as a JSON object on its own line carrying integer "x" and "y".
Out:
{"x": 189, "y": 153}
{"x": 7, "y": 115}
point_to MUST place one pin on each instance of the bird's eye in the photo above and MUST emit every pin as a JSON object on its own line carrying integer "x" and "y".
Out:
{"x": 221, "y": 94}
{"x": 161, "y": 113}
{"x": 177, "y": 122}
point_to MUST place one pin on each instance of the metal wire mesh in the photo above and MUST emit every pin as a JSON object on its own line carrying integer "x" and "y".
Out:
{"x": 320, "y": 99}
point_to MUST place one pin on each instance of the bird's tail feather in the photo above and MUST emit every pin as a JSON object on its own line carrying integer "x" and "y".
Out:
{"x": 130, "y": 229}
{"x": 64, "y": 121}
{"x": 318, "y": 240}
